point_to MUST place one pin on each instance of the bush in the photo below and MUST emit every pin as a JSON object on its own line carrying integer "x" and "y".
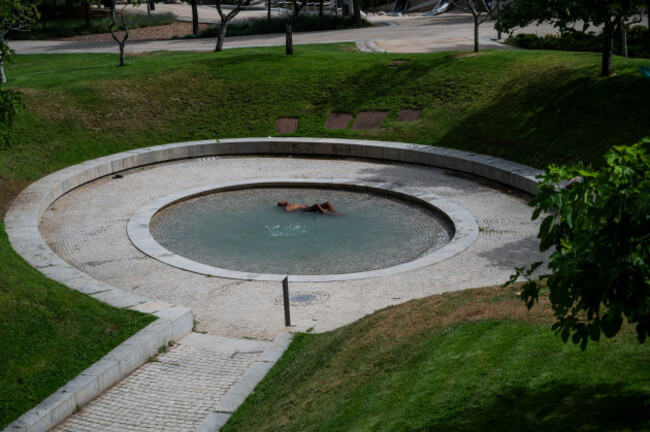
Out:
{"x": 10, "y": 104}
{"x": 638, "y": 42}
{"x": 598, "y": 229}
{"x": 256, "y": 26}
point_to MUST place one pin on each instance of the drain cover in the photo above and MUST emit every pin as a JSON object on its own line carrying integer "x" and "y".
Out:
{"x": 301, "y": 298}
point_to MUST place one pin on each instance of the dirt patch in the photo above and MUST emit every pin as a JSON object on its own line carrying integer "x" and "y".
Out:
{"x": 409, "y": 115}
{"x": 286, "y": 125}
{"x": 166, "y": 32}
{"x": 418, "y": 318}
{"x": 369, "y": 120}
{"x": 9, "y": 190}
{"x": 338, "y": 120}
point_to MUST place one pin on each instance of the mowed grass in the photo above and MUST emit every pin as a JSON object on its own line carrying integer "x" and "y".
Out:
{"x": 469, "y": 361}
{"x": 531, "y": 107}
{"x": 49, "y": 333}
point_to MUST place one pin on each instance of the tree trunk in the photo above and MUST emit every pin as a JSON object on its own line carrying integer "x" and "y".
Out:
{"x": 195, "y": 18}
{"x": 289, "y": 38}
{"x": 357, "y": 12}
{"x": 87, "y": 11}
{"x": 320, "y": 9}
{"x": 222, "y": 36}
{"x": 122, "y": 62}
{"x": 608, "y": 47}
{"x": 647, "y": 11}
{"x": 476, "y": 24}
{"x": 268, "y": 10}
{"x": 3, "y": 78}
{"x": 44, "y": 21}
{"x": 624, "y": 40}
{"x": 499, "y": 18}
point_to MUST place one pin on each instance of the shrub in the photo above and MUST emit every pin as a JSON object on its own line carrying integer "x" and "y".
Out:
{"x": 573, "y": 40}
{"x": 598, "y": 229}
{"x": 255, "y": 26}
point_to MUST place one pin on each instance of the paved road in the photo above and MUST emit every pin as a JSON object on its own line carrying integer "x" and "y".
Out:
{"x": 409, "y": 34}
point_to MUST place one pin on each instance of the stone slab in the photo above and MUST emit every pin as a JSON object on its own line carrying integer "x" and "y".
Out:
{"x": 338, "y": 120}
{"x": 409, "y": 115}
{"x": 369, "y": 120}
{"x": 286, "y": 125}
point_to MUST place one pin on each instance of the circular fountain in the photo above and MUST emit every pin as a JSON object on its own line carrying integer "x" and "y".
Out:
{"x": 239, "y": 231}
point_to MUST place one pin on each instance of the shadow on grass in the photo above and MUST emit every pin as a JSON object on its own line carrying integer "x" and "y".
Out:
{"x": 555, "y": 408}
{"x": 557, "y": 115}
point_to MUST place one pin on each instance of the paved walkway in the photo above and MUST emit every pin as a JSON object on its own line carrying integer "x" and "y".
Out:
{"x": 414, "y": 34}
{"x": 175, "y": 391}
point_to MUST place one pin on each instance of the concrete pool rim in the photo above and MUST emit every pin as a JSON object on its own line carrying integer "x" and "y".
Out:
{"x": 465, "y": 229}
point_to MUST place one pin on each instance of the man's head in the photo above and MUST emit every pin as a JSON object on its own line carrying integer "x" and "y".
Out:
{"x": 282, "y": 204}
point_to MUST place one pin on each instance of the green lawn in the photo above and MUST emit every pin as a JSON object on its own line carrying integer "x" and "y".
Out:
{"x": 471, "y": 361}
{"x": 49, "y": 333}
{"x": 531, "y": 107}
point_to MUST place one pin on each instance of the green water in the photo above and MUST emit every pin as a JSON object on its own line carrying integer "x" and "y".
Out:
{"x": 245, "y": 230}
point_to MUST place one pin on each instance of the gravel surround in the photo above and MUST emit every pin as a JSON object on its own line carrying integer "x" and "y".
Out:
{"x": 22, "y": 226}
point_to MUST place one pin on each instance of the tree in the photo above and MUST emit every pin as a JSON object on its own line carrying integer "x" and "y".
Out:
{"x": 122, "y": 26}
{"x": 226, "y": 18}
{"x": 357, "y": 12}
{"x": 296, "y": 7}
{"x": 480, "y": 10}
{"x": 15, "y": 15}
{"x": 610, "y": 14}
{"x": 598, "y": 229}
{"x": 195, "y": 18}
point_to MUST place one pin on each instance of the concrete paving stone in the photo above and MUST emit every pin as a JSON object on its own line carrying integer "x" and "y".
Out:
{"x": 369, "y": 120}
{"x": 163, "y": 393}
{"x": 337, "y": 120}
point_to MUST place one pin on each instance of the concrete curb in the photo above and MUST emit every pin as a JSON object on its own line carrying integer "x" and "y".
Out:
{"x": 245, "y": 385}
{"x": 22, "y": 220}
{"x": 369, "y": 46}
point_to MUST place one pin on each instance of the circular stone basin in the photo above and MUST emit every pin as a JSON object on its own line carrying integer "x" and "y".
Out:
{"x": 245, "y": 230}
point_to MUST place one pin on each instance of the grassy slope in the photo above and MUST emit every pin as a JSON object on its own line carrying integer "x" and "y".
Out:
{"x": 471, "y": 361}
{"x": 49, "y": 333}
{"x": 533, "y": 107}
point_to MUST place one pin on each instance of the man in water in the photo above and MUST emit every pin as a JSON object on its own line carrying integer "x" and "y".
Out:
{"x": 319, "y": 208}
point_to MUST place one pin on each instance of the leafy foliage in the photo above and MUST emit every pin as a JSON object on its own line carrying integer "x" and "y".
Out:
{"x": 256, "y": 26}
{"x": 599, "y": 230}
{"x": 638, "y": 42}
{"x": 564, "y": 14}
{"x": 15, "y": 15}
{"x": 10, "y": 104}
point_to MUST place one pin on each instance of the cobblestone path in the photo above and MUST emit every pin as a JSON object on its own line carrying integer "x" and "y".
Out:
{"x": 173, "y": 392}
